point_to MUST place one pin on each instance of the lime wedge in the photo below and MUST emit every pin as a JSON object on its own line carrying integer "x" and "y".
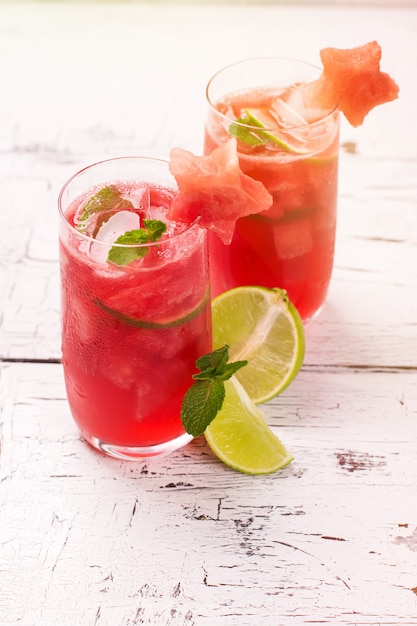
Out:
{"x": 240, "y": 437}
{"x": 262, "y": 326}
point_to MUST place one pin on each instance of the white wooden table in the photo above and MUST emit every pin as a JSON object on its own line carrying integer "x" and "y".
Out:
{"x": 183, "y": 541}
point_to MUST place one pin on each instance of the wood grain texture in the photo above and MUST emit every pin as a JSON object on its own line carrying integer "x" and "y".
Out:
{"x": 184, "y": 541}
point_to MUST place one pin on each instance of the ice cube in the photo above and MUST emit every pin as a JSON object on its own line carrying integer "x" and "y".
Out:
{"x": 157, "y": 213}
{"x": 118, "y": 224}
{"x": 139, "y": 196}
{"x": 304, "y": 131}
{"x": 289, "y": 114}
{"x": 122, "y": 372}
{"x": 293, "y": 239}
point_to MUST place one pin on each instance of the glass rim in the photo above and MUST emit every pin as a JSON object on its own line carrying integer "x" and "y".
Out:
{"x": 89, "y": 238}
{"x": 327, "y": 114}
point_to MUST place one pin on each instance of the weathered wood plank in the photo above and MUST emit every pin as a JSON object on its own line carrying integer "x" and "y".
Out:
{"x": 184, "y": 540}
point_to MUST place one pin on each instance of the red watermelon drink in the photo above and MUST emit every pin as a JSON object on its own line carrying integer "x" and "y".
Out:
{"x": 135, "y": 306}
{"x": 293, "y": 151}
{"x": 284, "y": 116}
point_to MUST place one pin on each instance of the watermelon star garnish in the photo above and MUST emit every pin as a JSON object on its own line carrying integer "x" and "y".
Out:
{"x": 352, "y": 82}
{"x": 213, "y": 190}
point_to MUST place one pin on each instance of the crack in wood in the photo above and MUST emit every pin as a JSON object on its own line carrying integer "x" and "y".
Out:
{"x": 194, "y": 514}
{"x": 360, "y": 367}
{"x": 293, "y": 547}
{"x": 137, "y": 618}
{"x": 177, "y": 590}
{"x": 132, "y": 515}
{"x": 48, "y": 361}
{"x": 176, "y": 485}
{"x": 353, "y": 461}
{"x": 332, "y": 538}
{"x": 381, "y": 239}
{"x": 205, "y": 579}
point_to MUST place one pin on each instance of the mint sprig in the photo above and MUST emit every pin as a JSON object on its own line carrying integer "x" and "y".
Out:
{"x": 152, "y": 231}
{"x": 109, "y": 198}
{"x": 204, "y": 398}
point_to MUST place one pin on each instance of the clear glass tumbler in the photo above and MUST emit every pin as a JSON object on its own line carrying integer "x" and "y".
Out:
{"x": 135, "y": 315}
{"x": 293, "y": 151}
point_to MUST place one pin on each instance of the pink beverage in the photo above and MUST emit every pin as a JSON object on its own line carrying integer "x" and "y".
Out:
{"x": 135, "y": 306}
{"x": 294, "y": 153}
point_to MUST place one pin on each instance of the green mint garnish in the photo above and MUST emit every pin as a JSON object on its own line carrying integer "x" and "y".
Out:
{"x": 108, "y": 198}
{"x": 205, "y": 397}
{"x": 152, "y": 231}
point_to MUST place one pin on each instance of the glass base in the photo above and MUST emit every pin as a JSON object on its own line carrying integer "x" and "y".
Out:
{"x": 313, "y": 316}
{"x": 138, "y": 453}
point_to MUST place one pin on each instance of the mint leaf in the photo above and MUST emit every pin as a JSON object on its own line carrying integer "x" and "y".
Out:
{"x": 204, "y": 398}
{"x": 209, "y": 364}
{"x": 108, "y": 198}
{"x": 152, "y": 231}
{"x": 200, "y": 405}
{"x": 155, "y": 229}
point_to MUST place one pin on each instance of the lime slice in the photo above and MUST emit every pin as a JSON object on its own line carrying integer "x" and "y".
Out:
{"x": 253, "y": 129}
{"x": 262, "y": 326}
{"x": 262, "y": 119}
{"x": 152, "y": 325}
{"x": 240, "y": 437}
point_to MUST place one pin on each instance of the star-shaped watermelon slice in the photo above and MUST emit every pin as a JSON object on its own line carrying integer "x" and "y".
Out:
{"x": 213, "y": 190}
{"x": 352, "y": 82}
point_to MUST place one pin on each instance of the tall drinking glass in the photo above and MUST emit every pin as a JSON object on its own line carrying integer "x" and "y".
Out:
{"x": 294, "y": 153}
{"x": 136, "y": 313}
